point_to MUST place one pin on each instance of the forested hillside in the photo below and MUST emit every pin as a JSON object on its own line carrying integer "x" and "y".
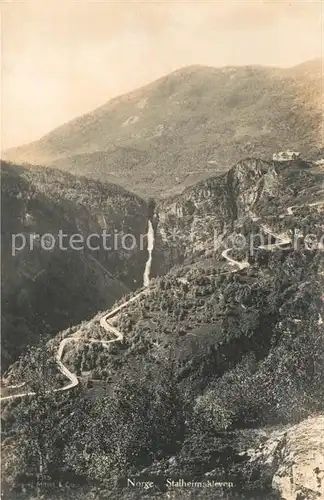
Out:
{"x": 43, "y": 290}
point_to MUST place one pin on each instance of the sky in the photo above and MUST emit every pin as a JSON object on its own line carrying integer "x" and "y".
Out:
{"x": 62, "y": 58}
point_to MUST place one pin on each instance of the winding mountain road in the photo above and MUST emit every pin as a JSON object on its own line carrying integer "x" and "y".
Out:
{"x": 118, "y": 335}
{"x": 244, "y": 263}
{"x": 104, "y": 323}
{"x": 290, "y": 210}
{"x": 241, "y": 265}
{"x": 281, "y": 239}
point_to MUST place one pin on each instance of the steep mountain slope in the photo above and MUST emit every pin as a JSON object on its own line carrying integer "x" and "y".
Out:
{"x": 47, "y": 290}
{"x": 187, "y": 125}
{"x": 196, "y": 223}
{"x": 213, "y": 357}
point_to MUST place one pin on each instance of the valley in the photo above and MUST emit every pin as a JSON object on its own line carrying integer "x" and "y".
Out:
{"x": 39, "y": 292}
{"x": 177, "y": 335}
{"x": 104, "y": 323}
{"x": 214, "y": 324}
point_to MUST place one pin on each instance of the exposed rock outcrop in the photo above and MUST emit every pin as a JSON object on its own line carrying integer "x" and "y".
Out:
{"x": 192, "y": 223}
{"x": 300, "y": 475}
{"x": 296, "y": 455}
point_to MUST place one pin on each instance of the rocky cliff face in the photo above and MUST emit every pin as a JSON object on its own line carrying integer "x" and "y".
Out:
{"x": 253, "y": 181}
{"x": 296, "y": 455}
{"x": 194, "y": 222}
{"x": 300, "y": 474}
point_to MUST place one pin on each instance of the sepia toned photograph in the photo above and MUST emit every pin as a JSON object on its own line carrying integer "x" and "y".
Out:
{"x": 162, "y": 250}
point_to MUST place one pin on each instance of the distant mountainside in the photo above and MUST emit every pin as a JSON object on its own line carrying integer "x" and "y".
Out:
{"x": 187, "y": 126}
{"x": 43, "y": 290}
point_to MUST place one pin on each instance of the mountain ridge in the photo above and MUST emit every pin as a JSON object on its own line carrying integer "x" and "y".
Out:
{"x": 178, "y": 123}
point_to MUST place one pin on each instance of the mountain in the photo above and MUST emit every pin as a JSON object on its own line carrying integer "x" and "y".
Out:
{"x": 215, "y": 363}
{"x": 193, "y": 225}
{"x": 45, "y": 290}
{"x": 187, "y": 126}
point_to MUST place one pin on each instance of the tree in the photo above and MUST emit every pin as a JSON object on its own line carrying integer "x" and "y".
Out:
{"x": 37, "y": 368}
{"x": 40, "y": 422}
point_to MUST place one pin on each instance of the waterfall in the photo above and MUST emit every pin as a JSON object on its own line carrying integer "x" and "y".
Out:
{"x": 150, "y": 246}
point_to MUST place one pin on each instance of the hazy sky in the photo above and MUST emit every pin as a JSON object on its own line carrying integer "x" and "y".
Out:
{"x": 61, "y": 58}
